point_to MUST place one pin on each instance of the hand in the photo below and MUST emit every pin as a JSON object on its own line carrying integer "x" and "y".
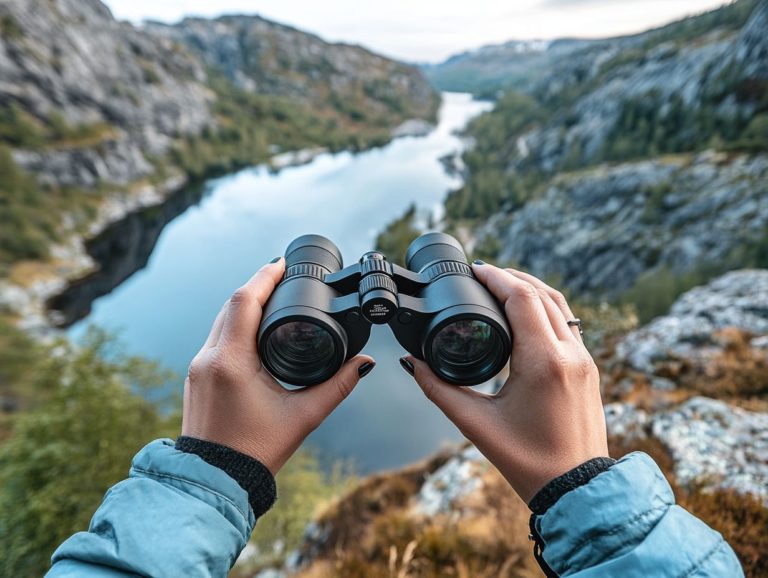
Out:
{"x": 548, "y": 417}
{"x": 231, "y": 399}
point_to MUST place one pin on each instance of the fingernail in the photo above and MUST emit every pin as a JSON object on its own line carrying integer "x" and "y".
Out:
{"x": 407, "y": 365}
{"x": 275, "y": 260}
{"x": 365, "y": 368}
{"x": 478, "y": 262}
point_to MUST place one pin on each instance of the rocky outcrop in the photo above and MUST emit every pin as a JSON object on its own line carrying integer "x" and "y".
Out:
{"x": 69, "y": 60}
{"x": 598, "y": 230}
{"x": 679, "y": 112}
{"x": 691, "y": 331}
{"x": 713, "y": 444}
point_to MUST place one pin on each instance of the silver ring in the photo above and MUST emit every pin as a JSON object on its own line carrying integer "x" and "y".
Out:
{"x": 576, "y": 323}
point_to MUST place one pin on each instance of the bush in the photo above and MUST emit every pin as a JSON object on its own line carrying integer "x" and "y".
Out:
{"x": 67, "y": 451}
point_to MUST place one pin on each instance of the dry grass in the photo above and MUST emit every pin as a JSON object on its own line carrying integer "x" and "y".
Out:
{"x": 376, "y": 535}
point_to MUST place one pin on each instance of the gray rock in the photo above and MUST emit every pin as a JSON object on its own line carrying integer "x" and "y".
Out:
{"x": 738, "y": 299}
{"x": 600, "y": 229}
{"x": 717, "y": 444}
{"x": 712, "y": 443}
{"x": 72, "y": 60}
{"x": 449, "y": 483}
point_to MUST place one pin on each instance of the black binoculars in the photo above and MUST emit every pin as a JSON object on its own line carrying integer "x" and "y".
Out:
{"x": 320, "y": 315}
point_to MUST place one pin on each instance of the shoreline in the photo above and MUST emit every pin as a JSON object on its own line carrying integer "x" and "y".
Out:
{"x": 31, "y": 286}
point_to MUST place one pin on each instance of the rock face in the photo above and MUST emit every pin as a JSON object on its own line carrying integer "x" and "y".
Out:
{"x": 712, "y": 443}
{"x": 69, "y": 59}
{"x": 689, "y": 332}
{"x": 622, "y": 221}
{"x": 270, "y": 58}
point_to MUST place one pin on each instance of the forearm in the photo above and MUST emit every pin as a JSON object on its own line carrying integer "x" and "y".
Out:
{"x": 175, "y": 515}
{"x": 624, "y": 522}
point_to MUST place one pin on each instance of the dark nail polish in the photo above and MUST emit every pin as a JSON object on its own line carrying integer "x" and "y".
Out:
{"x": 478, "y": 262}
{"x": 275, "y": 260}
{"x": 366, "y": 368}
{"x": 407, "y": 365}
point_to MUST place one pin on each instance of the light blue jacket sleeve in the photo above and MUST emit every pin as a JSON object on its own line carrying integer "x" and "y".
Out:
{"x": 625, "y": 523}
{"x": 174, "y": 516}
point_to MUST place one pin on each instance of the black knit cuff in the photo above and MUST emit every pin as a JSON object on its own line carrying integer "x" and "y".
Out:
{"x": 253, "y": 476}
{"x": 547, "y": 496}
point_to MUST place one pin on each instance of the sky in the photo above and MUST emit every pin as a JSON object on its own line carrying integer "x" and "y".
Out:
{"x": 432, "y": 30}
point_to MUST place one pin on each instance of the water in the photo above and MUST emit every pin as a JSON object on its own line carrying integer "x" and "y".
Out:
{"x": 245, "y": 219}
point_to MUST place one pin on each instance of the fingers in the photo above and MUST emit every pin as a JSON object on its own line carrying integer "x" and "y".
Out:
{"x": 218, "y": 323}
{"x": 318, "y": 401}
{"x": 243, "y": 314}
{"x": 466, "y": 408}
{"x": 522, "y": 303}
{"x": 559, "y": 304}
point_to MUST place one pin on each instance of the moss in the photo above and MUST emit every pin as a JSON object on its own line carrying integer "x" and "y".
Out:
{"x": 10, "y": 28}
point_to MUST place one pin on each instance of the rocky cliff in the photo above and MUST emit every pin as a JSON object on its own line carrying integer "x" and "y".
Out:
{"x": 70, "y": 63}
{"x": 600, "y": 229}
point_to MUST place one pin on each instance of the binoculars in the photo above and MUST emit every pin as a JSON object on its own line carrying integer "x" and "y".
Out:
{"x": 320, "y": 314}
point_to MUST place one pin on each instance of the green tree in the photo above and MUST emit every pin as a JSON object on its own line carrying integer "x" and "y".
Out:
{"x": 66, "y": 452}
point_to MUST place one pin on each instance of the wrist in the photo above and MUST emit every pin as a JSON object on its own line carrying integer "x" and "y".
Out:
{"x": 251, "y": 474}
{"x": 552, "y": 491}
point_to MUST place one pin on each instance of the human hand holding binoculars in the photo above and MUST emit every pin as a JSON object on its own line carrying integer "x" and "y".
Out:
{"x": 305, "y": 318}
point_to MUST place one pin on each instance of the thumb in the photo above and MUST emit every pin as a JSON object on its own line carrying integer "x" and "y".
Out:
{"x": 320, "y": 400}
{"x": 465, "y": 407}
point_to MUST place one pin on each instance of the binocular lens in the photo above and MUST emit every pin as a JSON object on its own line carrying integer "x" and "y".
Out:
{"x": 301, "y": 349}
{"x": 466, "y": 349}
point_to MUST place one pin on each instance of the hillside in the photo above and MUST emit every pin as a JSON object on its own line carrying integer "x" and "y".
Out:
{"x": 633, "y": 164}
{"x": 99, "y": 118}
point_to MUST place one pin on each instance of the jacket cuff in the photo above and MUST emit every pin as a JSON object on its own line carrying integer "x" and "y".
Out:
{"x": 253, "y": 476}
{"x": 578, "y": 476}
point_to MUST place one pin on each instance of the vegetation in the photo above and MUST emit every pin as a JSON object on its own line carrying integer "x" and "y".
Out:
{"x": 304, "y": 487}
{"x": 393, "y": 241}
{"x": 492, "y": 186}
{"x": 85, "y": 423}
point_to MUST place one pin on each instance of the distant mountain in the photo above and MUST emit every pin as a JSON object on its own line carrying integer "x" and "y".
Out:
{"x": 94, "y": 110}
{"x": 520, "y": 65}
{"x": 487, "y": 70}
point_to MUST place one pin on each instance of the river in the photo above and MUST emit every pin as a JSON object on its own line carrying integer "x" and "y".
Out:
{"x": 242, "y": 220}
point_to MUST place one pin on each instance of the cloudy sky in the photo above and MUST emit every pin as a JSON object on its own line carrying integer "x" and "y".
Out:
{"x": 430, "y": 30}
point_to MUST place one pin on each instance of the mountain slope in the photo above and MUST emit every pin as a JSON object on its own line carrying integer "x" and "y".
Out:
{"x": 270, "y": 58}
{"x": 596, "y": 176}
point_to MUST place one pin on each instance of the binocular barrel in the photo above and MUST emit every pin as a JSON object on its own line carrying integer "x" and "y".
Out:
{"x": 320, "y": 314}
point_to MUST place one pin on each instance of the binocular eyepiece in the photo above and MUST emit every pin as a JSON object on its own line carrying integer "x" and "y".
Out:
{"x": 320, "y": 315}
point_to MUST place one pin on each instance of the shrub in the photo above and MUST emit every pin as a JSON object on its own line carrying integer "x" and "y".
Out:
{"x": 65, "y": 453}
